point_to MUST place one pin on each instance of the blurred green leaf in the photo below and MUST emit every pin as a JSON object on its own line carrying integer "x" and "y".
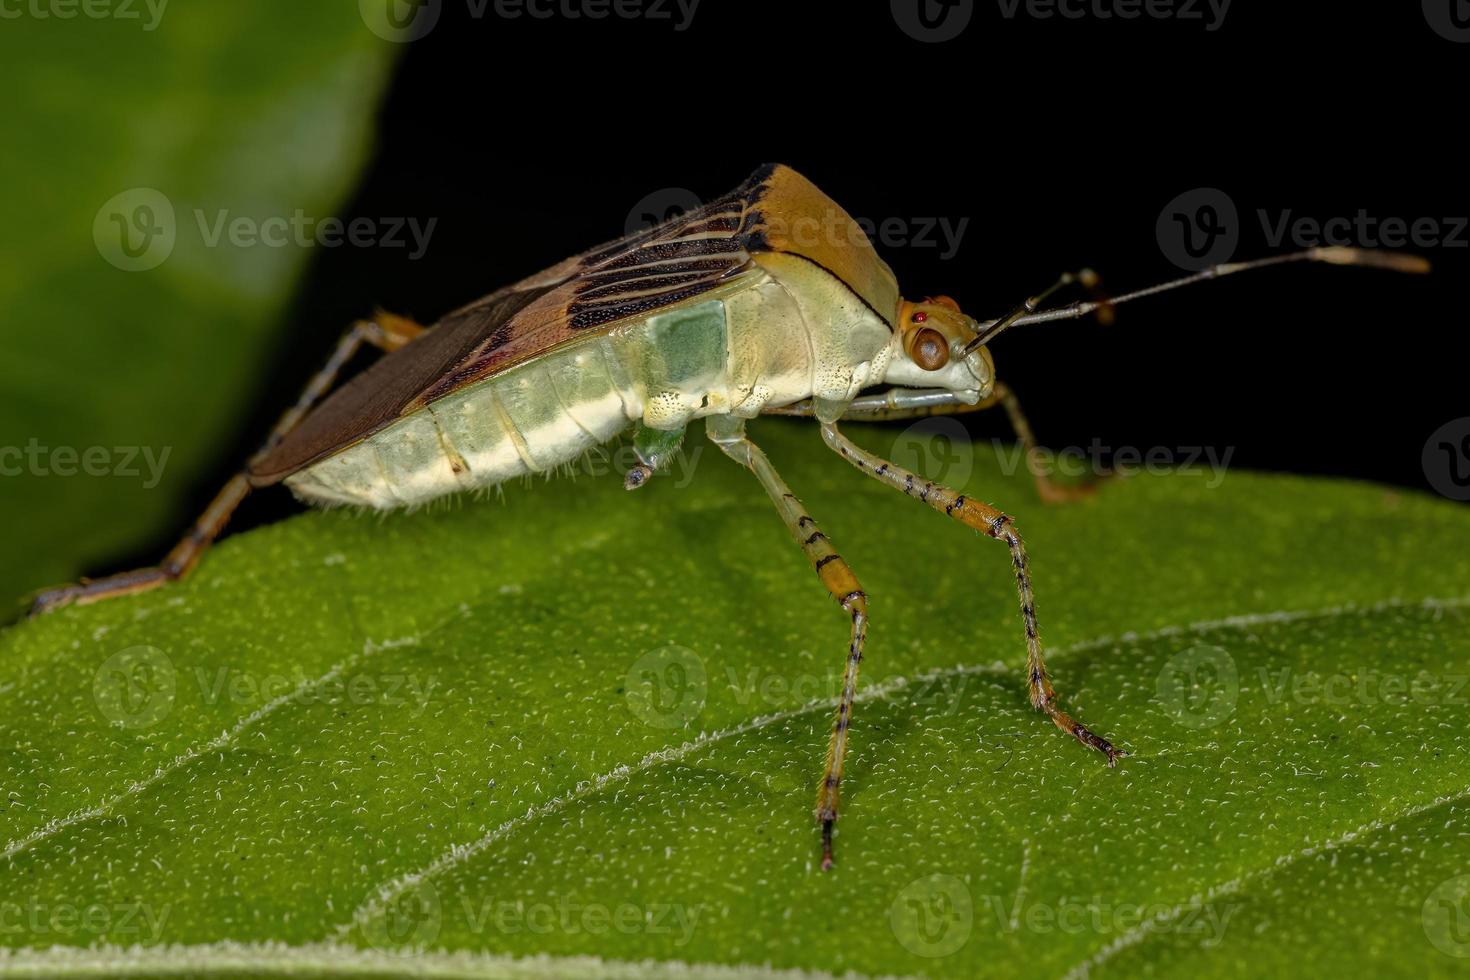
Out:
{"x": 152, "y": 116}
{"x": 578, "y": 733}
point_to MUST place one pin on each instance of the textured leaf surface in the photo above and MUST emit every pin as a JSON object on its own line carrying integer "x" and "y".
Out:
{"x": 121, "y": 372}
{"x": 578, "y": 732}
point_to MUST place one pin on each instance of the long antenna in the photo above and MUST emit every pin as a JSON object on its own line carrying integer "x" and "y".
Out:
{"x": 1333, "y": 255}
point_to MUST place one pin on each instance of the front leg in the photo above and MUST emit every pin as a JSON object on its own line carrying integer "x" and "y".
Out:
{"x": 991, "y": 522}
{"x": 901, "y": 404}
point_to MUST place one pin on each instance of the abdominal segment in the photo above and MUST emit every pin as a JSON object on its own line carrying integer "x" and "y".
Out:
{"x": 535, "y": 417}
{"x": 770, "y": 342}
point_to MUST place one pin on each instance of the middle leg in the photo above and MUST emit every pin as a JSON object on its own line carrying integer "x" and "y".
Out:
{"x": 729, "y": 434}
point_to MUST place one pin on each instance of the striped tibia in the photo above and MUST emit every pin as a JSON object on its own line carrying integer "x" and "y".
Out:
{"x": 841, "y": 584}
{"x": 993, "y": 523}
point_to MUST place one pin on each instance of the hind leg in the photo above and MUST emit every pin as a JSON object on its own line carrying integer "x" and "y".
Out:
{"x": 386, "y": 332}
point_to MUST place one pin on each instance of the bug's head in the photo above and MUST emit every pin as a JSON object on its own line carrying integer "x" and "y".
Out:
{"x": 930, "y": 349}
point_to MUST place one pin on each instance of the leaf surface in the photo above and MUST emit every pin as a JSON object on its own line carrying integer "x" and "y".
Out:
{"x": 578, "y": 732}
{"x": 125, "y": 368}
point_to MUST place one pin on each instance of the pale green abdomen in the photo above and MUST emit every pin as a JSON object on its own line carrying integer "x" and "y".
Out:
{"x": 770, "y": 342}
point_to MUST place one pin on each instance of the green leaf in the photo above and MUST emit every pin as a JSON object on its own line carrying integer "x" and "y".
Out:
{"x": 578, "y": 733}
{"x": 161, "y": 116}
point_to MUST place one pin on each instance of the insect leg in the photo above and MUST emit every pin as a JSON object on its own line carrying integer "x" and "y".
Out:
{"x": 386, "y": 332}
{"x": 1049, "y": 490}
{"x": 899, "y": 404}
{"x": 989, "y": 521}
{"x": 893, "y": 404}
{"x": 729, "y": 434}
{"x": 654, "y": 448}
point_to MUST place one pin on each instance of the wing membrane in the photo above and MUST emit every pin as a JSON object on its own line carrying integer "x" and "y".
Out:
{"x": 590, "y": 293}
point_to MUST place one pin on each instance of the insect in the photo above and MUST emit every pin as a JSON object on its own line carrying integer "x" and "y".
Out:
{"x": 769, "y": 300}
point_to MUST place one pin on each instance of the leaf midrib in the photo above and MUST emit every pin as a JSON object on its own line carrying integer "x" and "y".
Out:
{"x": 331, "y": 959}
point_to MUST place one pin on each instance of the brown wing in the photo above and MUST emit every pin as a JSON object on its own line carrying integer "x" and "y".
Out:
{"x": 776, "y": 209}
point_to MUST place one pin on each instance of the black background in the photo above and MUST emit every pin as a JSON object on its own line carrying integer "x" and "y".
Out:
{"x": 1058, "y": 140}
